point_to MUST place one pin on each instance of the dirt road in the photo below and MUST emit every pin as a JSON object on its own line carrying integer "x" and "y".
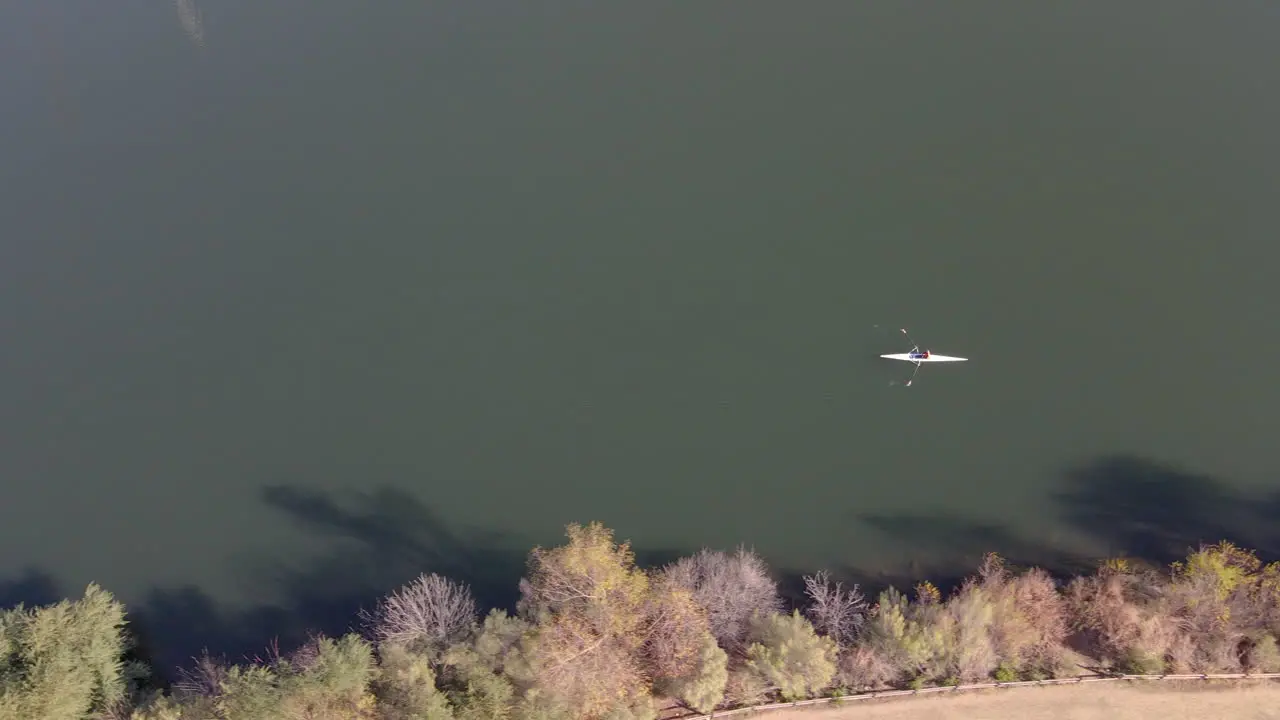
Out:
{"x": 1256, "y": 700}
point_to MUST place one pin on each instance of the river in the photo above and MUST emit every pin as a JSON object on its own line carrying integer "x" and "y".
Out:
{"x": 299, "y": 299}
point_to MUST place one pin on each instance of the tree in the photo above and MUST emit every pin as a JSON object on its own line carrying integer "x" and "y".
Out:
{"x": 406, "y": 687}
{"x": 908, "y": 638}
{"x": 1030, "y": 620}
{"x": 1219, "y": 597}
{"x": 478, "y": 676}
{"x": 1116, "y": 612}
{"x": 426, "y": 615}
{"x": 162, "y": 707}
{"x": 675, "y": 626}
{"x": 836, "y": 612}
{"x": 323, "y": 680}
{"x": 702, "y": 686}
{"x": 586, "y": 600}
{"x": 732, "y": 588}
{"x": 790, "y": 656}
{"x": 588, "y": 576}
{"x": 968, "y": 654}
{"x": 63, "y": 660}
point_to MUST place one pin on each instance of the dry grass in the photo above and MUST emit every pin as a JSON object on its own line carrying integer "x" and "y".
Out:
{"x": 1255, "y": 700}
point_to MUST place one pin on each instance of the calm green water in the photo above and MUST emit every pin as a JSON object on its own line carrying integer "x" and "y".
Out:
{"x": 298, "y": 297}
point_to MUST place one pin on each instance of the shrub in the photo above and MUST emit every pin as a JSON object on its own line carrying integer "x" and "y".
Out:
{"x": 862, "y": 668}
{"x": 745, "y": 687}
{"x": 1111, "y": 611}
{"x": 1263, "y": 656}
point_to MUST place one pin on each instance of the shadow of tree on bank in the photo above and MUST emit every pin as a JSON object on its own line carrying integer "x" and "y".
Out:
{"x": 1122, "y": 504}
{"x": 376, "y": 541}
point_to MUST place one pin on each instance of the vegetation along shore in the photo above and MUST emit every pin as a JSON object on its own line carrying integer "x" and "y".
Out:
{"x": 595, "y": 636}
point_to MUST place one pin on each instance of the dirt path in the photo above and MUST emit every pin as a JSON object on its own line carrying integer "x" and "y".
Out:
{"x": 1256, "y": 700}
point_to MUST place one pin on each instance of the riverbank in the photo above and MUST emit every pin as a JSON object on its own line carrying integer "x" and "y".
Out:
{"x": 1193, "y": 700}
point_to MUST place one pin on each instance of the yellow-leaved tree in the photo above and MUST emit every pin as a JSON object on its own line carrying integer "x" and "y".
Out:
{"x": 586, "y": 600}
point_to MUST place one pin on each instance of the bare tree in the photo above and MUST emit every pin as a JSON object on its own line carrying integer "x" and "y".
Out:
{"x": 732, "y": 589}
{"x": 428, "y": 614}
{"x": 203, "y": 680}
{"x": 836, "y": 612}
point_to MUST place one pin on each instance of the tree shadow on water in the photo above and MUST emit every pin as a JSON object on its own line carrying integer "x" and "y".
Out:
{"x": 1119, "y": 505}
{"x": 947, "y": 549}
{"x": 1158, "y": 512}
{"x": 32, "y": 588}
{"x": 374, "y": 542}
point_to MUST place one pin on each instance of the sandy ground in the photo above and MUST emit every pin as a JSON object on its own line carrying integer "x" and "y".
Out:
{"x": 1256, "y": 700}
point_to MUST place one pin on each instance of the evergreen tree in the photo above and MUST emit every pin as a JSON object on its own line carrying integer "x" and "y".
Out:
{"x": 63, "y": 661}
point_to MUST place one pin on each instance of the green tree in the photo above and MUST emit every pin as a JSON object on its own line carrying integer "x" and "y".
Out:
{"x": 968, "y": 654}
{"x": 406, "y": 687}
{"x": 323, "y": 680}
{"x": 702, "y": 686}
{"x": 63, "y": 660}
{"x": 163, "y": 707}
{"x": 791, "y": 656}
{"x": 907, "y": 637}
{"x": 478, "y": 674}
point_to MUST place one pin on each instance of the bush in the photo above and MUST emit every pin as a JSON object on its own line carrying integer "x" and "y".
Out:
{"x": 861, "y": 668}
{"x": 1263, "y": 656}
{"x": 745, "y": 687}
{"x": 1113, "y": 611}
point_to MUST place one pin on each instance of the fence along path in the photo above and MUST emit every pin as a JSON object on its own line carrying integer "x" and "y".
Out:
{"x": 979, "y": 686}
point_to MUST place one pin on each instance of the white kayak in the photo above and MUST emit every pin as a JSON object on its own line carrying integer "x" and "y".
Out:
{"x": 917, "y": 359}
